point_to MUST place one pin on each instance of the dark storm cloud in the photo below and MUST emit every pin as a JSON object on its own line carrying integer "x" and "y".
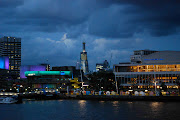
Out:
{"x": 61, "y": 14}
{"x": 105, "y": 18}
{"x": 55, "y": 29}
{"x": 124, "y": 18}
{"x": 10, "y": 3}
{"x": 66, "y": 11}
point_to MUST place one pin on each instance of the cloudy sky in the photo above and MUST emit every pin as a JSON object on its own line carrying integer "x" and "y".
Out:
{"x": 55, "y": 29}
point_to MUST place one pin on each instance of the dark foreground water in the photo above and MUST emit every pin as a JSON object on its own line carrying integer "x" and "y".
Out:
{"x": 90, "y": 110}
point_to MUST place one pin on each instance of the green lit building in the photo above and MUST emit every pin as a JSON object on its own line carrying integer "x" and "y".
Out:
{"x": 48, "y": 79}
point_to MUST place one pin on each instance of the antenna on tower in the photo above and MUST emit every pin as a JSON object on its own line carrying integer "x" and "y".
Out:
{"x": 110, "y": 60}
{"x": 84, "y": 47}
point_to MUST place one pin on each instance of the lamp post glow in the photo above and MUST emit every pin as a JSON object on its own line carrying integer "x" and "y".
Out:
{"x": 155, "y": 80}
{"x": 155, "y": 86}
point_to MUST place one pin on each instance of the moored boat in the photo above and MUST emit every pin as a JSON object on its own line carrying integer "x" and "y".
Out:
{"x": 7, "y": 100}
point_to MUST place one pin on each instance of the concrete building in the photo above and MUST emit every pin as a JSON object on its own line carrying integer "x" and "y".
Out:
{"x": 102, "y": 66}
{"x": 25, "y": 68}
{"x": 84, "y": 60}
{"x": 6, "y": 78}
{"x": 74, "y": 71}
{"x": 77, "y": 65}
{"x": 11, "y": 47}
{"x": 149, "y": 69}
{"x": 48, "y": 79}
{"x": 48, "y": 67}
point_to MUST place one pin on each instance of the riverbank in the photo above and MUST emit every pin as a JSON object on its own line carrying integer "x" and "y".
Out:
{"x": 103, "y": 97}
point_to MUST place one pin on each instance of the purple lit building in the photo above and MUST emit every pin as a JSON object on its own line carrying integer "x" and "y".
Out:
{"x": 25, "y": 68}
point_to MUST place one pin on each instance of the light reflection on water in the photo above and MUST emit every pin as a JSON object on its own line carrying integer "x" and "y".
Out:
{"x": 82, "y": 103}
{"x": 90, "y": 110}
{"x": 155, "y": 105}
{"x": 116, "y": 106}
{"x": 101, "y": 102}
{"x": 82, "y": 108}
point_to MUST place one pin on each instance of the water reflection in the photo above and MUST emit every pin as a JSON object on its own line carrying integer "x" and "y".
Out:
{"x": 82, "y": 103}
{"x": 90, "y": 110}
{"x": 115, "y": 103}
{"x": 115, "y": 106}
{"x": 102, "y": 102}
{"x": 156, "y": 106}
{"x": 130, "y": 104}
{"x": 82, "y": 108}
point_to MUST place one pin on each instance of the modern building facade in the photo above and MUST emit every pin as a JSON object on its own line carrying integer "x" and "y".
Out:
{"x": 48, "y": 67}
{"x": 102, "y": 66}
{"x": 48, "y": 79}
{"x": 84, "y": 60}
{"x": 77, "y": 65}
{"x": 4, "y": 62}
{"x": 74, "y": 71}
{"x": 6, "y": 78}
{"x": 25, "y": 68}
{"x": 11, "y": 47}
{"x": 149, "y": 70}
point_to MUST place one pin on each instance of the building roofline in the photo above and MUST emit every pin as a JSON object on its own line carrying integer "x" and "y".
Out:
{"x": 145, "y": 64}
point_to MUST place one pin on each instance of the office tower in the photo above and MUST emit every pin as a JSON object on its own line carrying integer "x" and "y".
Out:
{"x": 11, "y": 47}
{"x": 84, "y": 61}
{"x": 77, "y": 65}
{"x": 102, "y": 66}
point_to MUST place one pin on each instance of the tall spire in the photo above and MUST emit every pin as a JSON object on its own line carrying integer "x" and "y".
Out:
{"x": 84, "y": 61}
{"x": 84, "y": 47}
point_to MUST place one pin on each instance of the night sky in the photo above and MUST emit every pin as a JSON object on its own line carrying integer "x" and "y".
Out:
{"x": 55, "y": 29}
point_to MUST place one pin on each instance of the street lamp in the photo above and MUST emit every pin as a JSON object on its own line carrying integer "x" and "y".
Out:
{"x": 155, "y": 83}
{"x": 155, "y": 86}
{"x": 154, "y": 78}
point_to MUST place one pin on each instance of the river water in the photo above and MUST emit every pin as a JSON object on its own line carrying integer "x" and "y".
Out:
{"x": 90, "y": 110}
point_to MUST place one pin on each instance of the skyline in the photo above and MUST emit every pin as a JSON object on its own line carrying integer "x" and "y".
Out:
{"x": 116, "y": 27}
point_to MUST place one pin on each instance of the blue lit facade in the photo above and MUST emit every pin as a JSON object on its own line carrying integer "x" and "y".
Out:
{"x": 4, "y": 62}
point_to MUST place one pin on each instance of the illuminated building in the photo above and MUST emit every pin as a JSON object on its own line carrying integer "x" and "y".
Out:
{"x": 6, "y": 78}
{"x": 4, "y": 62}
{"x": 5, "y": 74}
{"x": 102, "y": 66}
{"x": 84, "y": 61}
{"x": 41, "y": 67}
{"x": 48, "y": 79}
{"x": 74, "y": 71}
{"x": 46, "y": 73}
{"x": 148, "y": 69}
{"x": 25, "y": 68}
{"x": 11, "y": 47}
{"x": 47, "y": 66}
{"x": 75, "y": 83}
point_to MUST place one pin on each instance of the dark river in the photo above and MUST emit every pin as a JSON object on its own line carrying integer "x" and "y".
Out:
{"x": 90, "y": 110}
